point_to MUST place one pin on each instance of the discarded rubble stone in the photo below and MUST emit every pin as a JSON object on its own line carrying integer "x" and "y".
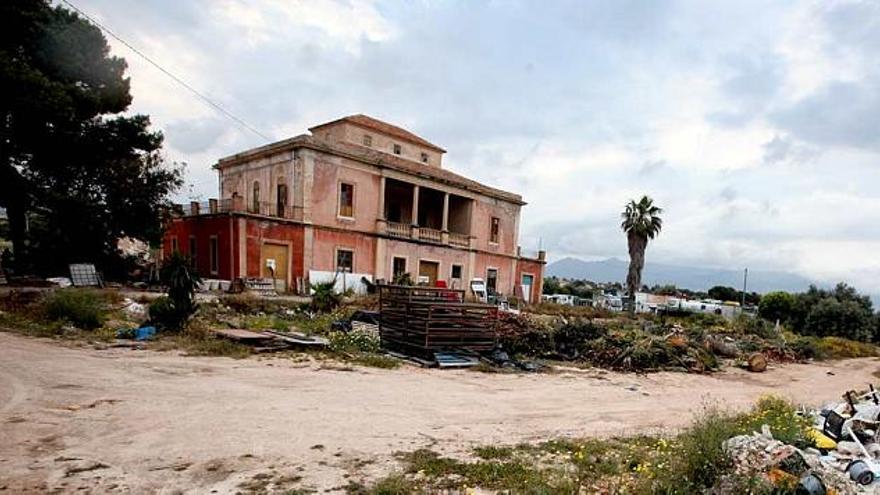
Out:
{"x": 757, "y": 363}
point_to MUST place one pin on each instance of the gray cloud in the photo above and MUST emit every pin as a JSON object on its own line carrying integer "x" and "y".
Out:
{"x": 577, "y": 106}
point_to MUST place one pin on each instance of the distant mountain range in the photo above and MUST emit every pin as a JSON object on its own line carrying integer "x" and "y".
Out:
{"x": 687, "y": 277}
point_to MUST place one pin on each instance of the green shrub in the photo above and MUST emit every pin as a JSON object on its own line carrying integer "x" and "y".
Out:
{"x": 781, "y": 416}
{"x": 696, "y": 460}
{"x": 181, "y": 282}
{"x": 776, "y": 306}
{"x": 353, "y": 341}
{"x": 163, "y": 314}
{"x": 805, "y": 347}
{"x": 324, "y": 297}
{"x": 750, "y": 325}
{"x": 82, "y": 307}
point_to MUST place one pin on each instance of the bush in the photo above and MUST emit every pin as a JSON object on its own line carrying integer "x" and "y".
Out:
{"x": 324, "y": 297}
{"x": 163, "y": 314}
{"x": 181, "y": 299}
{"x": 353, "y": 341}
{"x": 831, "y": 317}
{"x": 82, "y": 308}
{"x": 755, "y": 326}
{"x": 776, "y": 306}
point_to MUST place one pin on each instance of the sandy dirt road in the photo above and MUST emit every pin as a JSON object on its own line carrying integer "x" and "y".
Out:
{"x": 146, "y": 422}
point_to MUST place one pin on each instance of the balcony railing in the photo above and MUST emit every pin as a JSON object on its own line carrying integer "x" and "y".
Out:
{"x": 214, "y": 206}
{"x": 398, "y": 229}
{"x": 460, "y": 240}
{"x": 432, "y": 235}
{"x": 276, "y": 210}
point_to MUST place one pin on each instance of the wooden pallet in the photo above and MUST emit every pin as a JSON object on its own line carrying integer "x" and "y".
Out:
{"x": 423, "y": 320}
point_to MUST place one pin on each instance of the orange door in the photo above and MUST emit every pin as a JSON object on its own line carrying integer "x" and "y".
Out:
{"x": 429, "y": 269}
{"x": 275, "y": 255}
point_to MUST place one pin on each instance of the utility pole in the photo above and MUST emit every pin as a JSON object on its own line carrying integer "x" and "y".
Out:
{"x": 745, "y": 283}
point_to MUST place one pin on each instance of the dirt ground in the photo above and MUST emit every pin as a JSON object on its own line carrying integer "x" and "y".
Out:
{"x": 140, "y": 421}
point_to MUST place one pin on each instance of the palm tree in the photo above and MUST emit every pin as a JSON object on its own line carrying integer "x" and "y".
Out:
{"x": 641, "y": 222}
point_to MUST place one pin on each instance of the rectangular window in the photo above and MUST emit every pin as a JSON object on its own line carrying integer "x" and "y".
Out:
{"x": 494, "y": 228}
{"x": 398, "y": 267}
{"x": 491, "y": 280}
{"x": 346, "y": 200}
{"x": 192, "y": 251}
{"x": 424, "y": 158}
{"x": 174, "y": 247}
{"x": 397, "y": 149}
{"x": 456, "y": 272}
{"x": 213, "y": 254}
{"x": 368, "y": 140}
{"x": 344, "y": 260}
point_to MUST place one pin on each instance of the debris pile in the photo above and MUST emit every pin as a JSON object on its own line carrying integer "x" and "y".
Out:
{"x": 842, "y": 457}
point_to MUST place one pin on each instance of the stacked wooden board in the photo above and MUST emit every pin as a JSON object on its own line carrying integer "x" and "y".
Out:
{"x": 422, "y": 320}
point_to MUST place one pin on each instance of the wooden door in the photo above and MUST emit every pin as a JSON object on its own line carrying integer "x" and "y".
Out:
{"x": 275, "y": 255}
{"x": 429, "y": 269}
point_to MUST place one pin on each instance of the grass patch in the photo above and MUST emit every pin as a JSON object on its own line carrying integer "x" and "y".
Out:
{"x": 83, "y": 308}
{"x": 197, "y": 340}
{"x": 494, "y": 452}
{"x": 691, "y": 462}
{"x": 376, "y": 361}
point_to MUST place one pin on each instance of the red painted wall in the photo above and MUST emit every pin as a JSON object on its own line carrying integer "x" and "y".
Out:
{"x": 534, "y": 268}
{"x": 260, "y": 231}
{"x": 202, "y": 228}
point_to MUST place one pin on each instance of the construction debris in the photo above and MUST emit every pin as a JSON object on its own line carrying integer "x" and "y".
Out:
{"x": 844, "y": 458}
{"x": 270, "y": 340}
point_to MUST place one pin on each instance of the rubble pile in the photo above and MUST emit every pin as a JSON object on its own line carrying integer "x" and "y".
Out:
{"x": 632, "y": 345}
{"x": 843, "y": 458}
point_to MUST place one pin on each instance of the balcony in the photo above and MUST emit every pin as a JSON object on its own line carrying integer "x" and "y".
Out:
{"x": 276, "y": 210}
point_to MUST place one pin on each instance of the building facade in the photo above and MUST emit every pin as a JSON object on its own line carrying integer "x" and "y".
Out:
{"x": 356, "y": 199}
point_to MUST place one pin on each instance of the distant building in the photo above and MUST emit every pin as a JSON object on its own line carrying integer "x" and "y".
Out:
{"x": 357, "y": 199}
{"x": 655, "y": 303}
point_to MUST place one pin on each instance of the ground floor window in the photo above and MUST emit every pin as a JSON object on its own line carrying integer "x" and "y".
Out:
{"x": 344, "y": 260}
{"x": 398, "y": 267}
{"x": 456, "y": 272}
{"x": 213, "y": 255}
{"x": 491, "y": 280}
{"x": 174, "y": 247}
{"x": 192, "y": 251}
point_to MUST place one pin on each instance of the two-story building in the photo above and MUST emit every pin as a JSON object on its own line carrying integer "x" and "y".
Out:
{"x": 356, "y": 199}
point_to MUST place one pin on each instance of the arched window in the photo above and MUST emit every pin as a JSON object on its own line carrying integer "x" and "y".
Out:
{"x": 256, "y": 197}
{"x": 281, "y": 202}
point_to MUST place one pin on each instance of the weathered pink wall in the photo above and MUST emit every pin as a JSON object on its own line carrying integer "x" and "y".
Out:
{"x": 324, "y": 245}
{"x": 415, "y": 252}
{"x": 328, "y": 174}
{"x": 505, "y": 268}
{"x": 507, "y": 213}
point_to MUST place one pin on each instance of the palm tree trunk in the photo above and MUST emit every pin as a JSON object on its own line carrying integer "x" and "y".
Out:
{"x": 637, "y": 245}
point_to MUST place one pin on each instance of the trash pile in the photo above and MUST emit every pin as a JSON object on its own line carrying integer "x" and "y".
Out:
{"x": 844, "y": 457}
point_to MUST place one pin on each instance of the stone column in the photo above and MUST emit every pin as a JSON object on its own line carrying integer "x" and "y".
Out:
{"x": 415, "y": 212}
{"x": 444, "y": 231}
{"x": 382, "y": 198}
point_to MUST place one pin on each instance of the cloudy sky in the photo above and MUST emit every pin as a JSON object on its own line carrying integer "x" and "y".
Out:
{"x": 756, "y": 125}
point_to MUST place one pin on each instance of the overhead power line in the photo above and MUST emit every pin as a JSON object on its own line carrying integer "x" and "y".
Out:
{"x": 176, "y": 79}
